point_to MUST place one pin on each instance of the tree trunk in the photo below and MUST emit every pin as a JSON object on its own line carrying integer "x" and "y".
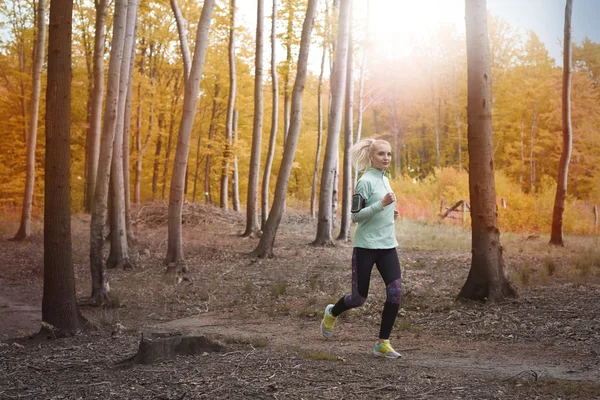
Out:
{"x": 456, "y": 108}
{"x": 348, "y": 136}
{"x": 38, "y": 61}
{"x": 142, "y": 148}
{"x": 235, "y": 192}
{"x": 361, "y": 91}
{"x": 288, "y": 71}
{"x": 174, "y": 103}
{"x": 93, "y": 134}
{"x": 161, "y": 118}
{"x": 100, "y": 286}
{"x": 175, "y": 258}
{"x": 119, "y": 249}
{"x": 230, "y": 107}
{"x": 338, "y": 82}
{"x": 313, "y": 192}
{"x": 556, "y": 238}
{"x": 59, "y": 304}
{"x": 274, "y": 117}
{"x": 252, "y": 226}
{"x": 487, "y": 280}
{"x": 267, "y": 240}
{"x": 126, "y": 143}
{"x": 211, "y": 132}
{"x": 182, "y": 31}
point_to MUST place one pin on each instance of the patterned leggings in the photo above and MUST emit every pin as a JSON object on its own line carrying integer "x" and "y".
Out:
{"x": 388, "y": 266}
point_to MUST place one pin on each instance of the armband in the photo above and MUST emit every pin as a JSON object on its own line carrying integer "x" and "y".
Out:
{"x": 358, "y": 203}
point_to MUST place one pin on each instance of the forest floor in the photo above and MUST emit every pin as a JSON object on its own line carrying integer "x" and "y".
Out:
{"x": 543, "y": 345}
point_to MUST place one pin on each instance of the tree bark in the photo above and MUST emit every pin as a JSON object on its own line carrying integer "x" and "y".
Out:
{"x": 487, "y": 280}
{"x": 175, "y": 258}
{"x": 60, "y": 315}
{"x": 93, "y": 139}
{"x": 338, "y": 82}
{"x": 38, "y": 61}
{"x": 174, "y": 103}
{"x": 274, "y": 117}
{"x": 288, "y": 71}
{"x": 267, "y": 240}
{"x": 556, "y": 237}
{"x": 235, "y": 192}
{"x": 230, "y": 107}
{"x": 157, "y": 151}
{"x": 211, "y": 132}
{"x": 348, "y": 136}
{"x": 182, "y": 31}
{"x": 100, "y": 286}
{"x": 252, "y": 225}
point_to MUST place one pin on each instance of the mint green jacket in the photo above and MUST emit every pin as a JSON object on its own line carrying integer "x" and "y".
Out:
{"x": 375, "y": 222}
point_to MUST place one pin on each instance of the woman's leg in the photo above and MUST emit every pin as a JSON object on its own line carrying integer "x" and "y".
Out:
{"x": 389, "y": 268}
{"x": 362, "y": 264}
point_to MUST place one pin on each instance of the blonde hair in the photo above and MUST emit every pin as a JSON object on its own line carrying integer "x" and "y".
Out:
{"x": 361, "y": 151}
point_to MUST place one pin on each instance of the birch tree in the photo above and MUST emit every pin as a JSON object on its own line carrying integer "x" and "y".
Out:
{"x": 274, "y": 117}
{"x": 267, "y": 239}
{"x": 36, "y": 78}
{"x": 338, "y": 81}
{"x": 556, "y": 237}
{"x": 230, "y": 107}
{"x": 252, "y": 226}
{"x": 487, "y": 280}
{"x": 175, "y": 257}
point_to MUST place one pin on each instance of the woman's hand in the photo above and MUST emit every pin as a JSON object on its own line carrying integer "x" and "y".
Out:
{"x": 396, "y": 214}
{"x": 388, "y": 199}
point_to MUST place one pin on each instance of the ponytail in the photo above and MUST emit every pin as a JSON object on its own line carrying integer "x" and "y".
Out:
{"x": 360, "y": 152}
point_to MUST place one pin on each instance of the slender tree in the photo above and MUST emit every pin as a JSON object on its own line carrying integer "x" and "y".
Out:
{"x": 487, "y": 280}
{"x": 36, "y": 78}
{"x": 175, "y": 258}
{"x": 100, "y": 286}
{"x": 556, "y": 238}
{"x": 235, "y": 191}
{"x": 338, "y": 82}
{"x": 211, "y": 133}
{"x": 230, "y": 107}
{"x": 252, "y": 226}
{"x": 93, "y": 133}
{"x": 267, "y": 240}
{"x": 60, "y": 315}
{"x": 348, "y": 135}
{"x": 182, "y": 31}
{"x": 174, "y": 102}
{"x": 274, "y": 117}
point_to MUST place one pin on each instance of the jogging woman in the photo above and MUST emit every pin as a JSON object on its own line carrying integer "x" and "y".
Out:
{"x": 373, "y": 207}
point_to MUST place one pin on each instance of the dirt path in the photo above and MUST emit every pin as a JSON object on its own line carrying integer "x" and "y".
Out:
{"x": 453, "y": 354}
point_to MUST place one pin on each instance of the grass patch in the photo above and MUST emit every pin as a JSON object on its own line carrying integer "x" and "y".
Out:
{"x": 424, "y": 236}
{"x": 550, "y": 265}
{"x": 278, "y": 289}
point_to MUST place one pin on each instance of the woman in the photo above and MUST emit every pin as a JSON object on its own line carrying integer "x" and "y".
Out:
{"x": 374, "y": 242}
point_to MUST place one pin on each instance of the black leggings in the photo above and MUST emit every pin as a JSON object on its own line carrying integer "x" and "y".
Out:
{"x": 389, "y": 268}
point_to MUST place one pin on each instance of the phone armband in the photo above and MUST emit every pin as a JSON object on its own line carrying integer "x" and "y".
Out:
{"x": 358, "y": 203}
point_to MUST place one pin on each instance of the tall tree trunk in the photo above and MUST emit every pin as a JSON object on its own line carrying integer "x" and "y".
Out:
{"x": 235, "y": 192}
{"x": 119, "y": 248}
{"x": 100, "y": 286}
{"x": 556, "y": 238}
{"x": 348, "y": 136}
{"x": 230, "y": 106}
{"x": 288, "y": 71}
{"x": 142, "y": 148}
{"x": 338, "y": 82}
{"x": 182, "y": 31}
{"x": 126, "y": 143}
{"x": 361, "y": 91}
{"x": 38, "y": 61}
{"x": 252, "y": 226}
{"x": 267, "y": 240}
{"x": 211, "y": 132}
{"x": 487, "y": 280}
{"x": 274, "y": 117}
{"x": 313, "y": 192}
{"x": 531, "y": 152}
{"x": 174, "y": 103}
{"x": 197, "y": 167}
{"x": 59, "y": 304}
{"x": 175, "y": 258}
{"x": 161, "y": 118}
{"x": 93, "y": 134}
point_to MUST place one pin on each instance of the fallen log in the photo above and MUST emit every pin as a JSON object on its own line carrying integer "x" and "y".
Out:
{"x": 163, "y": 348}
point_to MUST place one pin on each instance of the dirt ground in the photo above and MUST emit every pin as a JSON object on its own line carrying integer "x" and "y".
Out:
{"x": 543, "y": 345}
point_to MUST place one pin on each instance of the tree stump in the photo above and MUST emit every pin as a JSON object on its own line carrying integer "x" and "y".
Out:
{"x": 163, "y": 348}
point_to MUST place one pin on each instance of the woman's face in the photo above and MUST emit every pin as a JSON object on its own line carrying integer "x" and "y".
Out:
{"x": 381, "y": 155}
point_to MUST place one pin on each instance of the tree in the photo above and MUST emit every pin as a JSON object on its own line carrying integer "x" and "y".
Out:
{"x": 267, "y": 239}
{"x": 175, "y": 258}
{"x": 274, "y": 117}
{"x": 252, "y": 227}
{"x": 235, "y": 192}
{"x": 348, "y": 136}
{"x": 182, "y": 31}
{"x": 556, "y": 238}
{"x": 487, "y": 279}
{"x": 338, "y": 81}
{"x": 60, "y": 314}
{"x": 38, "y": 61}
{"x": 230, "y": 107}
{"x": 100, "y": 286}
{"x": 93, "y": 134}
